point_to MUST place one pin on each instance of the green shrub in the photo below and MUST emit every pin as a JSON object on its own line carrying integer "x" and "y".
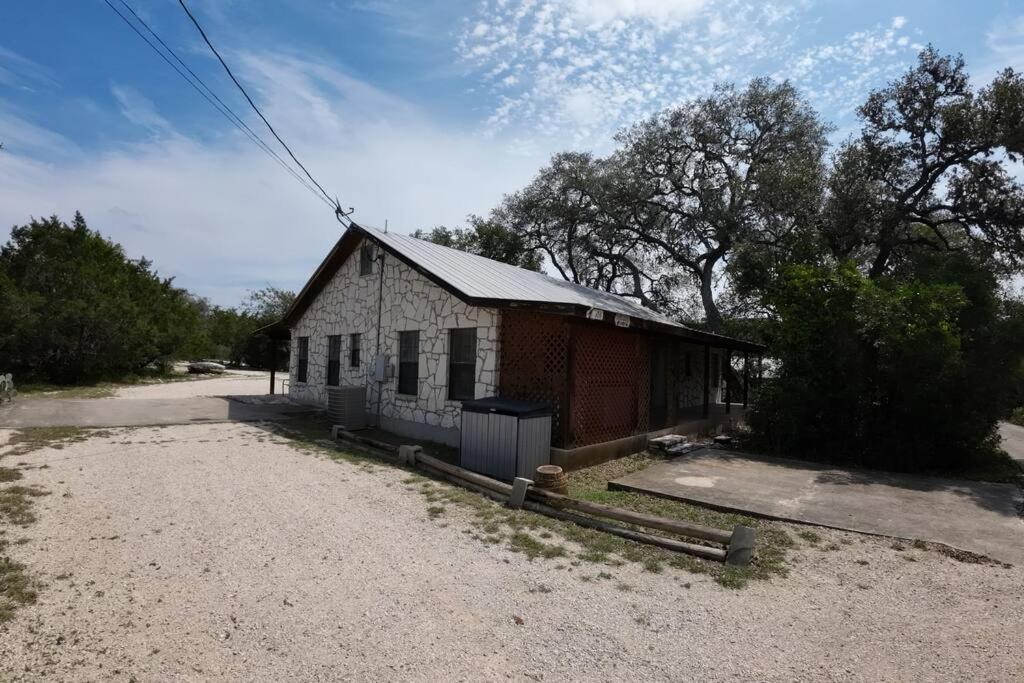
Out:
{"x": 909, "y": 375}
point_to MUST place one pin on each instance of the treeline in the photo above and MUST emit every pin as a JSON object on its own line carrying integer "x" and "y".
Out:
{"x": 74, "y": 308}
{"x": 877, "y": 270}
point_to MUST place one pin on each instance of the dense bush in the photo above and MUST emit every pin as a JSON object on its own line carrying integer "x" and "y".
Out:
{"x": 75, "y": 308}
{"x": 906, "y": 374}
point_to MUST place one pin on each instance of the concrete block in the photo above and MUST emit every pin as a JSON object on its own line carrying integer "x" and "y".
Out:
{"x": 741, "y": 546}
{"x": 335, "y": 430}
{"x": 407, "y": 454}
{"x": 520, "y": 485}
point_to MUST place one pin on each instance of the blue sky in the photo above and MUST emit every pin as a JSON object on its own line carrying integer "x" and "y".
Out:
{"x": 418, "y": 113}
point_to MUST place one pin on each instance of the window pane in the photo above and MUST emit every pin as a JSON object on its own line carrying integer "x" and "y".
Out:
{"x": 408, "y": 362}
{"x": 333, "y": 359}
{"x": 462, "y": 364}
{"x": 366, "y": 260}
{"x": 353, "y": 350}
{"x": 408, "y": 346}
{"x": 463, "y": 345}
{"x": 303, "y": 363}
{"x": 462, "y": 382}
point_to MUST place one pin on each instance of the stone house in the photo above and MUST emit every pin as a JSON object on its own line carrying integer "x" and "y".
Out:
{"x": 449, "y": 326}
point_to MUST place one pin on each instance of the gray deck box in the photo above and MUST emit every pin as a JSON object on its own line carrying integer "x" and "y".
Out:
{"x": 504, "y": 438}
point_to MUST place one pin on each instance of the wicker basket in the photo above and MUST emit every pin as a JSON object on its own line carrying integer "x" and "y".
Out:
{"x": 551, "y": 478}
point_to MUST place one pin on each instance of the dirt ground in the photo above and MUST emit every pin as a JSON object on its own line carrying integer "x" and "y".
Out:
{"x": 222, "y": 552}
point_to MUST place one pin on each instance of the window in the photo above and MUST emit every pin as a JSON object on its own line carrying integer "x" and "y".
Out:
{"x": 461, "y": 364}
{"x": 408, "y": 362}
{"x": 366, "y": 259}
{"x": 303, "y": 366}
{"x": 353, "y": 350}
{"x": 333, "y": 359}
{"x": 687, "y": 367}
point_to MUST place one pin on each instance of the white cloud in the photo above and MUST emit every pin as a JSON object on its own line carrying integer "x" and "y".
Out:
{"x": 661, "y": 12}
{"x": 583, "y": 68}
{"x": 138, "y": 109}
{"x": 223, "y": 218}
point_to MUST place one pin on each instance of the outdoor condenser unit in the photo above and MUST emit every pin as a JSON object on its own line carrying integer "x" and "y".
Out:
{"x": 346, "y": 406}
{"x": 503, "y": 438}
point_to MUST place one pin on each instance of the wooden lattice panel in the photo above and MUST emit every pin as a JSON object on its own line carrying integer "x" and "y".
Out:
{"x": 610, "y": 384}
{"x": 534, "y": 363}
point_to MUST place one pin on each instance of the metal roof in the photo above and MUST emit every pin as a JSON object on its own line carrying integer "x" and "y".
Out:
{"x": 477, "y": 277}
{"x": 484, "y": 282}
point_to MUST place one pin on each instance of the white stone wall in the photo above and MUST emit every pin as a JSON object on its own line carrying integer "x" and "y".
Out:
{"x": 348, "y": 304}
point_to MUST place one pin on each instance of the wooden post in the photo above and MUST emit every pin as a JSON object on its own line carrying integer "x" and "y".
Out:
{"x": 746, "y": 378}
{"x": 707, "y": 381}
{"x": 727, "y": 373}
{"x": 273, "y": 363}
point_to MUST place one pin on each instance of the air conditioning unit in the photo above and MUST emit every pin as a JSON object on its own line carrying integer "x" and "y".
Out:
{"x": 346, "y": 406}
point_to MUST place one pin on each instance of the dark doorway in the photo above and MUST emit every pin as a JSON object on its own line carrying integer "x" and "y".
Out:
{"x": 660, "y": 351}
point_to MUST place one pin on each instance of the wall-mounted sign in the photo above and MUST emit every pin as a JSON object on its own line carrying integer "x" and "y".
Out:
{"x": 595, "y": 314}
{"x": 621, "y": 320}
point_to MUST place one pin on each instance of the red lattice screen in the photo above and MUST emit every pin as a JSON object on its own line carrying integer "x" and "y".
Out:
{"x": 610, "y": 395}
{"x": 534, "y": 363}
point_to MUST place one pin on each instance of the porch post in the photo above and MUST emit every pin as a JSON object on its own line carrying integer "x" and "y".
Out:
{"x": 707, "y": 381}
{"x": 728, "y": 385}
{"x": 273, "y": 363}
{"x": 746, "y": 378}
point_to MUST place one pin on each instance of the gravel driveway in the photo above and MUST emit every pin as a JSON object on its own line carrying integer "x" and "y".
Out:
{"x": 232, "y": 383}
{"x": 221, "y": 552}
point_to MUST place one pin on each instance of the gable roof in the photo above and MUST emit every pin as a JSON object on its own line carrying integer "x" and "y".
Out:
{"x": 481, "y": 281}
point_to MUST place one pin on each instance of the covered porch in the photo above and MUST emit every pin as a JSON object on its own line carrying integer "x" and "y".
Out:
{"x": 613, "y": 388}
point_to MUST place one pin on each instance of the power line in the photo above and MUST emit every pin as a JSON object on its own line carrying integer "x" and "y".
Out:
{"x": 237, "y": 119}
{"x": 218, "y": 104}
{"x": 337, "y": 206}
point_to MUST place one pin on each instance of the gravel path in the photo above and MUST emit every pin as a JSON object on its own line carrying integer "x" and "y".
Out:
{"x": 232, "y": 383}
{"x": 219, "y": 552}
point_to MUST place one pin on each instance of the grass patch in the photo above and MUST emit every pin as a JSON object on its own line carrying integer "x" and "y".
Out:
{"x": 539, "y": 536}
{"x": 773, "y": 543}
{"x": 17, "y": 588}
{"x": 8, "y": 475}
{"x": 16, "y": 504}
{"x": 29, "y": 439}
{"x": 811, "y": 537}
{"x": 522, "y": 542}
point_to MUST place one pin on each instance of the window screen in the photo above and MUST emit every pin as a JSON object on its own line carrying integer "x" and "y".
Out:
{"x": 353, "y": 350}
{"x": 333, "y": 359}
{"x": 461, "y": 364}
{"x": 408, "y": 362}
{"x": 303, "y": 366}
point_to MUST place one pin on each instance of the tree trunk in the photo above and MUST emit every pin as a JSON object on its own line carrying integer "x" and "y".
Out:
{"x": 712, "y": 318}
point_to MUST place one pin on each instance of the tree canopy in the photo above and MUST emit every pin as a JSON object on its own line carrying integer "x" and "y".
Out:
{"x": 76, "y": 308}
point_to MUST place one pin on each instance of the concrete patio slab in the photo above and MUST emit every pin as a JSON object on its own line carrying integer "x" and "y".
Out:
{"x": 137, "y": 412}
{"x": 976, "y": 516}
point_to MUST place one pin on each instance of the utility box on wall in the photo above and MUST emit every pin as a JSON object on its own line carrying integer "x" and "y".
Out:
{"x": 504, "y": 438}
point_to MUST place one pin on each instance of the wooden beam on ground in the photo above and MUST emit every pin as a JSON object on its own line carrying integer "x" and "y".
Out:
{"x": 629, "y": 517}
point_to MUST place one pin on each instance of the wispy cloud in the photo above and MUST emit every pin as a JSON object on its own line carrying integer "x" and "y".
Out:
{"x": 21, "y": 72}
{"x": 582, "y": 68}
{"x": 138, "y": 109}
{"x": 222, "y": 217}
